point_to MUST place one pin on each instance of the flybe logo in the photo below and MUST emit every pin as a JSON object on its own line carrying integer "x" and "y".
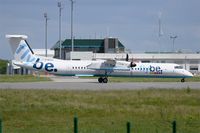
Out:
{"x": 155, "y": 70}
{"x": 49, "y": 67}
{"x": 24, "y": 53}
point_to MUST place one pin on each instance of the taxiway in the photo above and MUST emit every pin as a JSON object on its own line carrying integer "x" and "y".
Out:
{"x": 100, "y": 86}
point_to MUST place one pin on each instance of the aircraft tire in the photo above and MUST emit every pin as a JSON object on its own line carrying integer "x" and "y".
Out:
{"x": 100, "y": 80}
{"x": 182, "y": 80}
{"x": 105, "y": 80}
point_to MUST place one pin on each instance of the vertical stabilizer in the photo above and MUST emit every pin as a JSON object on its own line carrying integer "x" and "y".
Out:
{"x": 20, "y": 48}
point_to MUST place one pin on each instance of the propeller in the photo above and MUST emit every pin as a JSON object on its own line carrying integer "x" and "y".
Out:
{"x": 127, "y": 57}
{"x": 132, "y": 64}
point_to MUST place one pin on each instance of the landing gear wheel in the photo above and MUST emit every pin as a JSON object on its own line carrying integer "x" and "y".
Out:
{"x": 182, "y": 80}
{"x": 100, "y": 80}
{"x": 105, "y": 80}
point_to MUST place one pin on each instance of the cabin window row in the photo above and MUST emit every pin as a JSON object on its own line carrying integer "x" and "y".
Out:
{"x": 79, "y": 67}
{"x": 140, "y": 69}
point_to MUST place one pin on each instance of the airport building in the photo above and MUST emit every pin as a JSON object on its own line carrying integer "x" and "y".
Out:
{"x": 111, "y": 48}
{"x": 106, "y": 45}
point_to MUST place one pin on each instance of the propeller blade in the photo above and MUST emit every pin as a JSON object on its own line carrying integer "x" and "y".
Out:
{"x": 127, "y": 57}
{"x": 132, "y": 64}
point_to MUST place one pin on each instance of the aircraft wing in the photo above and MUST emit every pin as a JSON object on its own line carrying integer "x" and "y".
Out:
{"x": 112, "y": 68}
{"x": 107, "y": 65}
{"x": 111, "y": 62}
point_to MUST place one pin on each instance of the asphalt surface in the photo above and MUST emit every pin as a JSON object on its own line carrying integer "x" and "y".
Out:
{"x": 75, "y": 83}
{"x": 100, "y": 86}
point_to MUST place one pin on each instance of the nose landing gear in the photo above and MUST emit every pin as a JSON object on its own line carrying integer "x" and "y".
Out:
{"x": 183, "y": 80}
{"x": 103, "y": 80}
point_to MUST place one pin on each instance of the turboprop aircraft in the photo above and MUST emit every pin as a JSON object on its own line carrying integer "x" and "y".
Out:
{"x": 25, "y": 57}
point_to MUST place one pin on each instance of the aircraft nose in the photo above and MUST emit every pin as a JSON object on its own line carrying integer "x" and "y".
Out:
{"x": 189, "y": 74}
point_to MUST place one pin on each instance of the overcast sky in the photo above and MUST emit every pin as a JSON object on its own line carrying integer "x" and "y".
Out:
{"x": 134, "y": 22}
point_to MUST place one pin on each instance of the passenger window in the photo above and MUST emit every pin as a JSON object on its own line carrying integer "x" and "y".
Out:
{"x": 178, "y": 67}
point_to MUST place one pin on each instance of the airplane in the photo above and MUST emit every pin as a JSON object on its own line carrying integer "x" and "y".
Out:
{"x": 25, "y": 57}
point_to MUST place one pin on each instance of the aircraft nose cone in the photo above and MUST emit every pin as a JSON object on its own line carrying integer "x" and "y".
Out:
{"x": 189, "y": 74}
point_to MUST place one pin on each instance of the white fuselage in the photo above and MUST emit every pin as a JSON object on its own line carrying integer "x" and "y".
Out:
{"x": 25, "y": 57}
{"x": 102, "y": 68}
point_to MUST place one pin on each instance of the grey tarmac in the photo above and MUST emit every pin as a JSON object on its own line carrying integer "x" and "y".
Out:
{"x": 100, "y": 86}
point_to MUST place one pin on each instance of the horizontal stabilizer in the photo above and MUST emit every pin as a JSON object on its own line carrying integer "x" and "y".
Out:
{"x": 21, "y": 37}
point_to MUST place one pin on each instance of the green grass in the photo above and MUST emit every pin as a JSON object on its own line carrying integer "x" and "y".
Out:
{"x": 128, "y": 79}
{"x": 22, "y": 78}
{"x": 52, "y": 111}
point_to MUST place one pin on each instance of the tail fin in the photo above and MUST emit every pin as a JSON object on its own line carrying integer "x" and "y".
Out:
{"x": 20, "y": 48}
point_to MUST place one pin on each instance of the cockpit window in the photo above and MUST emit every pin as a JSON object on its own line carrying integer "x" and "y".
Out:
{"x": 178, "y": 67}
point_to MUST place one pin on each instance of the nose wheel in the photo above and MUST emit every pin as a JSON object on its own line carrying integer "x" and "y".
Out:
{"x": 103, "y": 80}
{"x": 183, "y": 80}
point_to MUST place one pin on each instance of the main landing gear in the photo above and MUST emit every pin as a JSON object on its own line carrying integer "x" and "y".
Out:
{"x": 183, "y": 80}
{"x": 103, "y": 80}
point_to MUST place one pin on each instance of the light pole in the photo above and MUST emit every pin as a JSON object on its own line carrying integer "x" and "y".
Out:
{"x": 46, "y": 19}
{"x": 173, "y": 39}
{"x": 60, "y": 8}
{"x": 72, "y": 36}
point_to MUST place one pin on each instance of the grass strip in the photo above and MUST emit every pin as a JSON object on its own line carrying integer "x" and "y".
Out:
{"x": 153, "y": 110}
{"x": 22, "y": 78}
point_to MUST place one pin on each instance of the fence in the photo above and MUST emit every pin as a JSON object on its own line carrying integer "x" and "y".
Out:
{"x": 1, "y": 126}
{"x": 128, "y": 126}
